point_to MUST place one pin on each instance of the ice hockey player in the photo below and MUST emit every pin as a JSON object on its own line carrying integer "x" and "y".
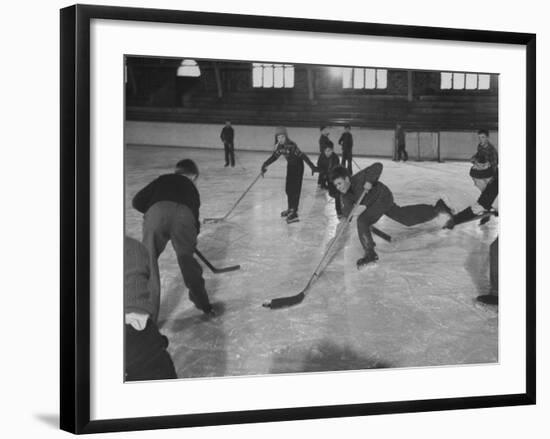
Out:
{"x": 346, "y": 141}
{"x": 326, "y": 163}
{"x": 294, "y": 171}
{"x": 484, "y": 173}
{"x": 377, "y": 202}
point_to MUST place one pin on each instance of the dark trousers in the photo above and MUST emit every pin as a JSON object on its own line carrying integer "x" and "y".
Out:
{"x": 347, "y": 157}
{"x": 293, "y": 186}
{"x": 489, "y": 195}
{"x": 168, "y": 221}
{"x": 229, "y": 153}
{"x": 384, "y": 205}
{"x": 145, "y": 354}
{"x": 401, "y": 152}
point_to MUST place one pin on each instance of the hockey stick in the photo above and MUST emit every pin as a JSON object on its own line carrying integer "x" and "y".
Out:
{"x": 283, "y": 302}
{"x": 214, "y": 269}
{"x": 223, "y": 218}
{"x": 381, "y": 234}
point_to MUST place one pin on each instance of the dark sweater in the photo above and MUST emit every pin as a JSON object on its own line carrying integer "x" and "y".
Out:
{"x": 487, "y": 153}
{"x": 169, "y": 187}
{"x": 346, "y": 140}
{"x": 327, "y": 164}
{"x": 227, "y": 134}
{"x": 379, "y": 190}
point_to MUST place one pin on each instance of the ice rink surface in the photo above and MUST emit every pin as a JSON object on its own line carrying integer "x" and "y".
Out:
{"x": 415, "y": 308}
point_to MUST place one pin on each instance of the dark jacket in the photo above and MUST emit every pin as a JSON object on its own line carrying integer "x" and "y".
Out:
{"x": 169, "y": 187}
{"x": 379, "y": 189}
{"x": 327, "y": 164}
{"x": 346, "y": 141}
{"x": 324, "y": 141}
{"x": 292, "y": 153}
{"x": 487, "y": 153}
{"x": 227, "y": 134}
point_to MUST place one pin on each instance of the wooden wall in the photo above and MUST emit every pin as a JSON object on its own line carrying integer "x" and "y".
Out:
{"x": 155, "y": 94}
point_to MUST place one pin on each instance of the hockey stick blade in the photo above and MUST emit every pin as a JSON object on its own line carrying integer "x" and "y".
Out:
{"x": 225, "y": 269}
{"x": 284, "y": 302}
{"x": 214, "y": 269}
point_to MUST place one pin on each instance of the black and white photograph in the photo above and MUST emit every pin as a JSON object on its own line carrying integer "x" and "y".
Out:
{"x": 307, "y": 218}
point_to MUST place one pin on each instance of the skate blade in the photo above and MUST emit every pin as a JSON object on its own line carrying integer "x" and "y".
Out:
{"x": 292, "y": 221}
{"x": 368, "y": 266}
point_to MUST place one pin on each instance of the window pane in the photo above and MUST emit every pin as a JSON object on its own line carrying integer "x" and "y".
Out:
{"x": 278, "y": 76}
{"x": 289, "y": 76}
{"x": 484, "y": 82}
{"x": 268, "y": 76}
{"x": 471, "y": 81}
{"x": 381, "y": 78}
{"x": 358, "y": 78}
{"x": 370, "y": 79}
{"x": 446, "y": 80}
{"x": 257, "y": 75}
{"x": 458, "y": 81}
{"x": 347, "y": 78}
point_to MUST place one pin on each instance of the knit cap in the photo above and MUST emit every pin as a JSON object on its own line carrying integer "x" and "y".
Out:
{"x": 137, "y": 297}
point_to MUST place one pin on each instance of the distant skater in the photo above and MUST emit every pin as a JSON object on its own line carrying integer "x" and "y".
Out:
{"x": 294, "y": 171}
{"x": 377, "y": 202}
{"x": 228, "y": 135}
{"x": 170, "y": 205}
{"x": 400, "y": 144}
{"x": 346, "y": 142}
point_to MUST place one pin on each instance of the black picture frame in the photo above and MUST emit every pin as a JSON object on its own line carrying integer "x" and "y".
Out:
{"x": 75, "y": 217}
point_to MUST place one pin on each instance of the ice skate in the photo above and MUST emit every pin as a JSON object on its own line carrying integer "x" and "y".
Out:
{"x": 292, "y": 217}
{"x": 368, "y": 260}
{"x": 285, "y": 213}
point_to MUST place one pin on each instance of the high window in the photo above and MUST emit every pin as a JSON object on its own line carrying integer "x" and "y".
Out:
{"x": 364, "y": 78}
{"x": 272, "y": 75}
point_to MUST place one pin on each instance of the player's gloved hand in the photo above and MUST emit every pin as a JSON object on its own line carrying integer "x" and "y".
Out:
{"x": 314, "y": 170}
{"x": 263, "y": 170}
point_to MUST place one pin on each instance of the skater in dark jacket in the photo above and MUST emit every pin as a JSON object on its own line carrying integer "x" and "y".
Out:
{"x": 400, "y": 145}
{"x": 227, "y": 135}
{"x": 378, "y": 201}
{"x": 170, "y": 205}
{"x": 294, "y": 171}
{"x": 324, "y": 142}
{"x": 346, "y": 142}
{"x": 484, "y": 173}
{"x": 326, "y": 163}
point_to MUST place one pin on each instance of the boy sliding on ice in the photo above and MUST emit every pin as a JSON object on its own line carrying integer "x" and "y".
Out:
{"x": 378, "y": 201}
{"x": 294, "y": 171}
